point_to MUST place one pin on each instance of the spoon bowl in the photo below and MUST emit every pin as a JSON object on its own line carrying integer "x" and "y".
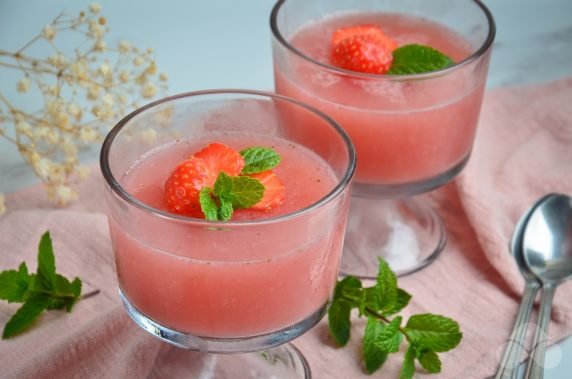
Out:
{"x": 516, "y": 243}
{"x": 547, "y": 248}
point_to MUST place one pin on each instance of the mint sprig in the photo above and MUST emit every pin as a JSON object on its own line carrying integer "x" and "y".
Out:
{"x": 230, "y": 193}
{"x": 235, "y": 192}
{"x": 41, "y": 291}
{"x": 417, "y": 59}
{"x": 258, "y": 159}
{"x": 426, "y": 334}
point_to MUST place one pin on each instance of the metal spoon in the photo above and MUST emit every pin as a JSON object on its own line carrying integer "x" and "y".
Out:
{"x": 547, "y": 246}
{"x": 508, "y": 366}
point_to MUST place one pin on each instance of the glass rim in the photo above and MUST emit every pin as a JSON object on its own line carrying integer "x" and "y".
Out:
{"x": 118, "y": 189}
{"x": 388, "y": 77}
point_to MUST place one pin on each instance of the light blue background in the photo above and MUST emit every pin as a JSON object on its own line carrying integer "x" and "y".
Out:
{"x": 226, "y": 43}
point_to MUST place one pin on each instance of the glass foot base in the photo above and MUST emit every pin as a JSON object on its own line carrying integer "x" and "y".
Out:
{"x": 222, "y": 345}
{"x": 284, "y": 362}
{"x": 407, "y": 233}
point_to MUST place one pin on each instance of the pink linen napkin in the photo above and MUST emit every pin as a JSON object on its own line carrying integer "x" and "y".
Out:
{"x": 523, "y": 150}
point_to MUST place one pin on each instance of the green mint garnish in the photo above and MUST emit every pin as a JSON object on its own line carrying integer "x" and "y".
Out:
{"x": 240, "y": 191}
{"x": 374, "y": 356}
{"x": 426, "y": 334}
{"x": 226, "y": 210}
{"x": 208, "y": 205}
{"x": 234, "y": 192}
{"x": 417, "y": 59}
{"x": 340, "y": 309}
{"x": 408, "y": 367}
{"x": 433, "y": 332}
{"x": 38, "y": 292}
{"x": 430, "y": 361}
{"x": 246, "y": 192}
{"x": 230, "y": 193}
{"x": 258, "y": 159}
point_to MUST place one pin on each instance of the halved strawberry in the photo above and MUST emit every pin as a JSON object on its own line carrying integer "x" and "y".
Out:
{"x": 273, "y": 193}
{"x": 219, "y": 157}
{"x": 365, "y": 49}
{"x": 182, "y": 188}
{"x": 352, "y": 31}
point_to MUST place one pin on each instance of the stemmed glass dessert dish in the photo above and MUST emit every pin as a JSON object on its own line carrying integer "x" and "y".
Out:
{"x": 413, "y": 130}
{"x": 247, "y": 284}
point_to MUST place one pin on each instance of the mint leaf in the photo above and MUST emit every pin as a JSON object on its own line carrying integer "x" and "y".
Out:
{"x": 339, "y": 321}
{"x": 390, "y": 339}
{"x": 14, "y": 284}
{"x": 208, "y": 205}
{"x": 258, "y": 159}
{"x": 26, "y": 315}
{"x": 346, "y": 285}
{"x": 417, "y": 59}
{"x": 240, "y": 191}
{"x": 340, "y": 310}
{"x": 357, "y": 297}
{"x": 434, "y": 332}
{"x": 429, "y": 361}
{"x": 226, "y": 210}
{"x": 246, "y": 191}
{"x": 373, "y": 356}
{"x": 46, "y": 262}
{"x": 401, "y": 301}
{"x": 387, "y": 288}
{"x": 223, "y": 185}
{"x": 75, "y": 287}
{"x": 64, "y": 295}
{"x": 371, "y": 300}
{"x": 408, "y": 367}
{"x": 382, "y": 298}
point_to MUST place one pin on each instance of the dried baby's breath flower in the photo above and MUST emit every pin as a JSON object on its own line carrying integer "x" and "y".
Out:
{"x": 82, "y": 172}
{"x": 85, "y": 91}
{"x": 100, "y": 45}
{"x": 23, "y": 85}
{"x": 61, "y": 194}
{"x": 149, "y": 90}
{"x": 49, "y": 32}
{"x": 124, "y": 47}
{"x": 124, "y": 77}
{"x": 95, "y": 8}
{"x": 138, "y": 61}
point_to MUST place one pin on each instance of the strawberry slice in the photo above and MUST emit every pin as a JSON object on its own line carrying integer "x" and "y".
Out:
{"x": 219, "y": 157}
{"x": 352, "y": 31}
{"x": 364, "y": 49}
{"x": 201, "y": 170}
{"x": 273, "y": 193}
{"x": 182, "y": 188}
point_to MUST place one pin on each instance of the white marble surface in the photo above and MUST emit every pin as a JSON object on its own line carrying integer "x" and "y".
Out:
{"x": 226, "y": 43}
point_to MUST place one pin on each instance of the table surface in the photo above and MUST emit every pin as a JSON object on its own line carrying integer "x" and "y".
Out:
{"x": 226, "y": 44}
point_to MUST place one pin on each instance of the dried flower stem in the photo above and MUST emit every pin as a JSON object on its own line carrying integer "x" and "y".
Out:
{"x": 84, "y": 93}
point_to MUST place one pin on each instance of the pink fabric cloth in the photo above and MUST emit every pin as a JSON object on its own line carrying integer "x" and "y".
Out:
{"x": 522, "y": 151}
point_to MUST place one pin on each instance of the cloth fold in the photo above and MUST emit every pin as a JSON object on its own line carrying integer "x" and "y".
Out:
{"x": 522, "y": 152}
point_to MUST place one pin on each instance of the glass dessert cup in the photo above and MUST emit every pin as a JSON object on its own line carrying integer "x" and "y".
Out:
{"x": 412, "y": 133}
{"x": 243, "y": 286}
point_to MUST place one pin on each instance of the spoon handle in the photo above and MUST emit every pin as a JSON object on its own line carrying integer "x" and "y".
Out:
{"x": 535, "y": 368}
{"x": 508, "y": 367}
